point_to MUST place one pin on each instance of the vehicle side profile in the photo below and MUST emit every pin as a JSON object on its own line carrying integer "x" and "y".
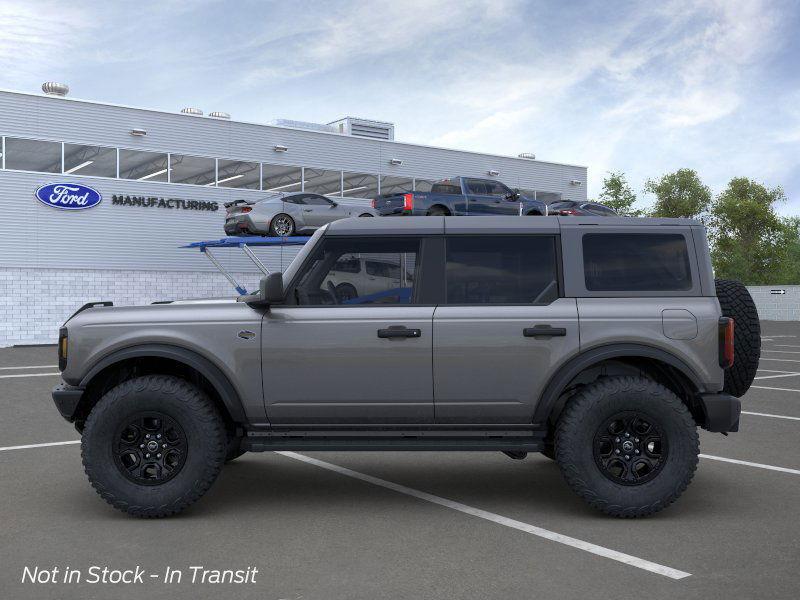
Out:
{"x": 287, "y": 213}
{"x": 602, "y": 342}
{"x": 461, "y": 196}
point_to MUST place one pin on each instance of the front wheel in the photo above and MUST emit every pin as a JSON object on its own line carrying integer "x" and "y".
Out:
{"x": 627, "y": 445}
{"x": 153, "y": 445}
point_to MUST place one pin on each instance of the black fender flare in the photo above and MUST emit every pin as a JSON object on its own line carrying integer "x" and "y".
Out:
{"x": 574, "y": 366}
{"x": 218, "y": 380}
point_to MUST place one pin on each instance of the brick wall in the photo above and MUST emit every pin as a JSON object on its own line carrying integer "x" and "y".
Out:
{"x": 777, "y": 307}
{"x": 35, "y": 302}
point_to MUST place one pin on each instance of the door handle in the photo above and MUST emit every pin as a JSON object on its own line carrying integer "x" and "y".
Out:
{"x": 399, "y": 331}
{"x": 307, "y": 210}
{"x": 544, "y": 331}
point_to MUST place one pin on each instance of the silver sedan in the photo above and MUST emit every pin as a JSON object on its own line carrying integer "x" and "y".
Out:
{"x": 286, "y": 214}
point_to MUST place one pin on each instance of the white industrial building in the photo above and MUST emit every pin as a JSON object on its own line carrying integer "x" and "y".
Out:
{"x": 163, "y": 178}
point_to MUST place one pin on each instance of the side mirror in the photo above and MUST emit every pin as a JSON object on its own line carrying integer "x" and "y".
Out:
{"x": 270, "y": 288}
{"x": 334, "y": 204}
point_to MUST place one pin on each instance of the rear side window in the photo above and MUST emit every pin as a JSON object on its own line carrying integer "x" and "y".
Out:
{"x": 501, "y": 270}
{"x": 639, "y": 262}
{"x": 446, "y": 187}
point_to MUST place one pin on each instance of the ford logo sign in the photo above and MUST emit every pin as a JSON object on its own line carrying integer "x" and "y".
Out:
{"x": 68, "y": 196}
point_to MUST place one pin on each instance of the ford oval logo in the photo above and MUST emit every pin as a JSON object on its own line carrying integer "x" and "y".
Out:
{"x": 68, "y": 196}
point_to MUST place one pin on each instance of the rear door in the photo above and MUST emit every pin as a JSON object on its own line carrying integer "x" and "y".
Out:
{"x": 503, "y": 327}
{"x": 488, "y": 197}
{"x": 351, "y": 350}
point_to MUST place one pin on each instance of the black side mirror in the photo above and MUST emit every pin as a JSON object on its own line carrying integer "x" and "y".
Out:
{"x": 334, "y": 204}
{"x": 270, "y": 288}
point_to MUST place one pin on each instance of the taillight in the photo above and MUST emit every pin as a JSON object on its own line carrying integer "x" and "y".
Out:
{"x": 726, "y": 326}
{"x": 568, "y": 211}
{"x": 62, "y": 348}
{"x": 246, "y": 209}
{"x": 372, "y": 203}
{"x": 408, "y": 201}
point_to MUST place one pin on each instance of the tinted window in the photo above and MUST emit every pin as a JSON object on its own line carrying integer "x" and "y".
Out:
{"x": 446, "y": 187}
{"x": 144, "y": 166}
{"x": 300, "y": 199}
{"x": 196, "y": 170}
{"x": 90, "y": 160}
{"x": 636, "y": 262}
{"x": 495, "y": 188}
{"x": 316, "y": 200}
{"x": 501, "y": 270}
{"x": 600, "y": 209}
{"x": 476, "y": 186}
{"x": 333, "y": 274}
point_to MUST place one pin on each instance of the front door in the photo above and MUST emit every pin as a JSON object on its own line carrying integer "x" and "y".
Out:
{"x": 319, "y": 210}
{"x": 502, "y": 330}
{"x": 490, "y": 198}
{"x": 347, "y": 351}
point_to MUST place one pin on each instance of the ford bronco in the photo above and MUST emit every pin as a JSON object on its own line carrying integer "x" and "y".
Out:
{"x": 601, "y": 342}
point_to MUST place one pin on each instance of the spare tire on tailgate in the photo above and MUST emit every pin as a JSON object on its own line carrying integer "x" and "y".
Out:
{"x": 736, "y": 302}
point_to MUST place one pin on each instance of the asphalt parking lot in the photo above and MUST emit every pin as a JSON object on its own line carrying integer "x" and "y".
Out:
{"x": 411, "y": 525}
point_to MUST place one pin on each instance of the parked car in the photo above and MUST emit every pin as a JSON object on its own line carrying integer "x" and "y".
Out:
{"x": 572, "y": 208}
{"x": 604, "y": 347}
{"x": 464, "y": 196}
{"x": 357, "y": 278}
{"x": 288, "y": 213}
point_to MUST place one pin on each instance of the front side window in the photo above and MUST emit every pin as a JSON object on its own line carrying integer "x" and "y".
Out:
{"x": 495, "y": 188}
{"x": 501, "y": 270}
{"x": 97, "y": 161}
{"x": 333, "y": 275}
{"x": 638, "y": 262}
{"x": 144, "y": 166}
{"x": 33, "y": 155}
{"x": 315, "y": 200}
{"x": 478, "y": 187}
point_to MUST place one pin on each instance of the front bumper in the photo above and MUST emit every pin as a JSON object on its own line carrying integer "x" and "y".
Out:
{"x": 721, "y": 412}
{"x": 67, "y": 398}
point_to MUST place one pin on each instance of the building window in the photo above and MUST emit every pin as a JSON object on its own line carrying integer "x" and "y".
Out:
{"x": 33, "y": 155}
{"x": 194, "y": 170}
{"x": 321, "y": 181}
{"x": 280, "y": 178}
{"x": 360, "y": 185}
{"x": 423, "y": 185}
{"x": 396, "y": 185}
{"x": 144, "y": 166}
{"x": 237, "y": 174}
{"x": 97, "y": 161}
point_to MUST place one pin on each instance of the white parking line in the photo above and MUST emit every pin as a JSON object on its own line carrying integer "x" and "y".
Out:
{"x": 780, "y": 336}
{"x": 785, "y": 374}
{"x": 751, "y": 464}
{"x": 785, "y": 346}
{"x": 634, "y": 561}
{"x": 39, "y": 445}
{"x": 781, "y": 351}
{"x": 28, "y": 375}
{"x": 780, "y": 359}
{"x": 763, "y": 387}
{"x": 33, "y": 367}
{"x": 744, "y": 412}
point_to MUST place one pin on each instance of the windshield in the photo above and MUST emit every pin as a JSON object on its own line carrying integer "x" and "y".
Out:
{"x": 291, "y": 270}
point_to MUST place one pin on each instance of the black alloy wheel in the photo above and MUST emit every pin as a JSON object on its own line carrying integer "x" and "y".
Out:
{"x": 150, "y": 448}
{"x": 630, "y": 448}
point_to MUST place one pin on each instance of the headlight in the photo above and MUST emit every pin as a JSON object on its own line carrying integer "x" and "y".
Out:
{"x": 62, "y": 348}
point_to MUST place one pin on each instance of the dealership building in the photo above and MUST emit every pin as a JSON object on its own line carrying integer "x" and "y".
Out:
{"x": 162, "y": 179}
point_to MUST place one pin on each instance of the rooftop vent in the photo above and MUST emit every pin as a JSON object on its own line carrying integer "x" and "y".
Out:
{"x": 527, "y": 155}
{"x": 303, "y": 125}
{"x": 51, "y": 88}
{"x": 377, "y": 130}
{"x": 219, "y": 115}
{"x": 192, "y": 111}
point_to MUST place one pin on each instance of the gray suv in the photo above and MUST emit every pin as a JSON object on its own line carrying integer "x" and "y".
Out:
{"x": 601, "y": 342}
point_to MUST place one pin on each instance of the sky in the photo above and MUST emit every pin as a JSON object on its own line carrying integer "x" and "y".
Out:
{"x": 639, "y": 87}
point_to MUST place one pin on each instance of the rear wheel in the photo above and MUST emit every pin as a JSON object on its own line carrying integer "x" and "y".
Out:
{"x": 153, "y": 445}
{"x": 627, "y": 445}
{"x": 437, "y": 211}
{"x": 366, "y": 215}
{"x": 282, "y": 225}
{"x": 736, "y": 303}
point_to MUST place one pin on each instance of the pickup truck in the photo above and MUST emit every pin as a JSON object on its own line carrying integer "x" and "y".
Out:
{"x": 463, "y": 196}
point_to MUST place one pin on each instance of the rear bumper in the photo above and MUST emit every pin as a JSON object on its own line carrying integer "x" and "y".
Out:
{"x": 67, "y": 399}
{"x": 721, "y": 411}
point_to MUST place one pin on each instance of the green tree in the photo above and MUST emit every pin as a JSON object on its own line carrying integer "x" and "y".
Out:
{"x": 750, "y": 241}
{"x": 679, "y": 194}
{"x": 617, "y": 194}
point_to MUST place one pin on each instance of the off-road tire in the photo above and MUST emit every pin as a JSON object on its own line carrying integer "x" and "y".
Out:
{"x": 206, "y": 444}
{"x": 736, "y": 302}
{"x": 586, "y": 413}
